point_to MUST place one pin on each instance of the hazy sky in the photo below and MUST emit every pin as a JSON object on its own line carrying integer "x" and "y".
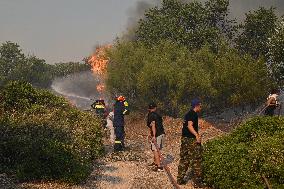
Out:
{"x": 62, "y": 30}
{"x": 68, "y": 30}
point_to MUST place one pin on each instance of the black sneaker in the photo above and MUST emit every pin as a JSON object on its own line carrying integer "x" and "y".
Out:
{"x": 158, "y": 169}
{"x": 181, "y": 182}
{"x": 152, "y": 164}
{"x": 198, "y": 184}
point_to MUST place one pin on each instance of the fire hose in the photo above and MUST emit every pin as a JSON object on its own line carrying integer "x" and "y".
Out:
{"x": 262, "y": 110}
{"x": 279, "y": 110}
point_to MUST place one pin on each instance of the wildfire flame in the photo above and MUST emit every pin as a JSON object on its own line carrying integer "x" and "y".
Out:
{"x": 100, "y": 88}
{"x": 99, "y": 62}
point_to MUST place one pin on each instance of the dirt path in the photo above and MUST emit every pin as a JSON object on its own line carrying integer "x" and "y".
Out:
{"x": 128, "y": 169}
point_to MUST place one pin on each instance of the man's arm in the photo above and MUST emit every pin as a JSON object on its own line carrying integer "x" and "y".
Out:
{"x": 152, "y": 131}
{"x": 192, "y": 130}
{"x": 269, "y": 101}
{"x": 153, "y": 128}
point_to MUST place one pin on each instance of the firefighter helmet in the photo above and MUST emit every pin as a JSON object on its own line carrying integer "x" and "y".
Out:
{"x": 120, "y": 98}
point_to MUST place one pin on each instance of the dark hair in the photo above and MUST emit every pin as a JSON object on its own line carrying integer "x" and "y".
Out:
{"x": 275, "y": 91}
{"x": 152, "y": 105}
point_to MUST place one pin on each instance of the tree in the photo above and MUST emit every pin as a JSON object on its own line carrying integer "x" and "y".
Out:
{"x": 218, "y": 11}
{"x": 11, "y": 57}
{"x": 190, "y": 24}
{"x": 276, "y": 52}
{"x": 259, "y": 26}
{"x": 170, "y": 75}
{"x": 15, "y": 66}
{"x": 39, "y": 73}
{"x": 127, "y": 60}
{"x": 11, "y": 52}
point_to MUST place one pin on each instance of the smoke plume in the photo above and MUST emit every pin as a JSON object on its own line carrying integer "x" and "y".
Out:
{"x": 238, "y": 8}
{"x": 137, "y": 12}
{"x": 78, "y": 88}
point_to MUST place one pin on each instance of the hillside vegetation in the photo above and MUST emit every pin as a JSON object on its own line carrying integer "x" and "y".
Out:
{"x": 245, "y": 157}
{"x": 16, "y": 66}
{"x": 43, "y": 137}
{"x": 181, "y": 50}
{"x": 171, "y": 76}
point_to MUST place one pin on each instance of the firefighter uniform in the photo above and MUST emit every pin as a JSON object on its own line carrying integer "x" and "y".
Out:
{"x": 100, "y": 110}
{"x": 126, "y": 108}
{"x": 119, "y": 111}
{"x": 99, "y": 107}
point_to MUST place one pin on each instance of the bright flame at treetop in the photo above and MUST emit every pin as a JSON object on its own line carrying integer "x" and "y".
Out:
{"x": 99, "y": 62}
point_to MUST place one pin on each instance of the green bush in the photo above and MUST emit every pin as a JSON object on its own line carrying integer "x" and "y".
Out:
{"x": 22, "y": 96}
{"x": 241, "y": 159}
{"x": 46, "y": 138}
{"x": 171, "y": 75}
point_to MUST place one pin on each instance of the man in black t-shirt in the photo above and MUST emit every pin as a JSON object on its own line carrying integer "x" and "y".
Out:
{"x": 190, "y": 151}
{"x": 156, "y": 128}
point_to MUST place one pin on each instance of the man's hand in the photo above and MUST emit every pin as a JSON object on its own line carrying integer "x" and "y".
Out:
{"x": 198, "y": 139}
{"x": 154, "y": 140}
{"x": 149, "y": 138}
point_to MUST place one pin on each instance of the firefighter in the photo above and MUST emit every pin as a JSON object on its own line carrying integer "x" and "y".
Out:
{"x": 272, "y": 103}
{"x": 99, "y": 107}
{"x": 100, "y": 110}
{"x": 120, "y": 110}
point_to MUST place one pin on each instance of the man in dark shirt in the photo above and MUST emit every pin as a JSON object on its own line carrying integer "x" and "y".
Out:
{"x": 190, "y": 151}
{"x": 156, "y": 128}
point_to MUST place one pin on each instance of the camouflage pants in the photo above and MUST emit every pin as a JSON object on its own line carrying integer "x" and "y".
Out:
{"x": 190, "y": 158}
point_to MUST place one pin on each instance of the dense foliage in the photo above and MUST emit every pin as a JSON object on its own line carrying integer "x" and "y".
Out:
{"x": 258, "y": 28}
{"x": 261, "y": 34}
{"x": 171, "y": 75}
{"x": 242, "y": 159}
{"x": 183, "y": 50}
{"x": 14, "y": 65}
{"x": 189, "y": 24}
{"x": 276, "y": 52}
{"x": 43, "y": 137}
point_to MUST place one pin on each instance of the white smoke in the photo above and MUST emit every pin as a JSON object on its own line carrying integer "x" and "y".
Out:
{"x": 238, "y": 8}
{"x": 79, "y": 88}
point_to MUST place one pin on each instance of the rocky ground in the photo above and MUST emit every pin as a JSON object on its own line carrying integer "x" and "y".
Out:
{"x": 128, "y": 169}
{"x": 7, "y": 183}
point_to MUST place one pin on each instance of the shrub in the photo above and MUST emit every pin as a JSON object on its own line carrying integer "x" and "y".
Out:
{"x": 241, "y": 159}
{"x": 46, "y": 138}
{"x": 21, "y": 96}
{"x": 171, "y": 75}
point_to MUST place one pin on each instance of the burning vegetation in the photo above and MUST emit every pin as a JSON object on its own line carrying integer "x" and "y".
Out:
{"x": 98, "y": 61}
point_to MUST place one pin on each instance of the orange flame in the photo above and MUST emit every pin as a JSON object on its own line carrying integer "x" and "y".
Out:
{"x": 100, "y": 88}
{"x": 99, "y": 62}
